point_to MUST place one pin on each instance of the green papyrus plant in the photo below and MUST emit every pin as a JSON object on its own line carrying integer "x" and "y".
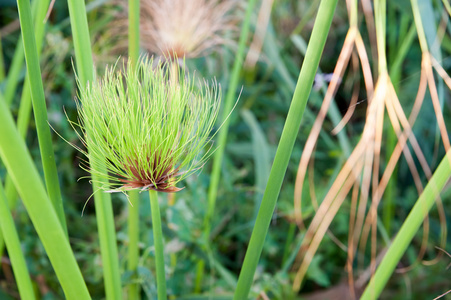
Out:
{"x": 151, "y": 131}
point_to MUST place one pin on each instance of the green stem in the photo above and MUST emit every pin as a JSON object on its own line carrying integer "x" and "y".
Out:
{"x": 380, "y": 20}
{"x": 419, "y": 26}
{"x": 14, "y": 72}
{"x": 23, "y": 119}
{"x": 133, "y": 30}
{"x": 107, "y": 237}
{"x": 40, "y": 110}
{"x": 104, "y": 209}
{"x": 290, "y": 130}
{"x": 15, "y": 252}
{"x": 26, "y": 178}
{"x": 133, "y": 237}
{"x": 39, "y": 12}
{"x": 409, "y": 229}
{"x": 133, "y": 210}
{"x": 222, "y": 136}
{"x": 158, "y": 243}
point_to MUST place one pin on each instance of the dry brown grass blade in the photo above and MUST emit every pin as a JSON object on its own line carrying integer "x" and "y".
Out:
{"x": 259, "y": 36}
{"x": 441, "y": 72}
{"x": 369, "y": 20}
{"x": 342, "y": 62}
{"x": 321, "y": 230}
{"x": 366, "y": 67}
{"x": 372, "y": 123}
{"x": 347, "y": 177}
{"x": 427, "y": 65}
{"x": 354, "y": 97}
{"x": 311, "y": 175}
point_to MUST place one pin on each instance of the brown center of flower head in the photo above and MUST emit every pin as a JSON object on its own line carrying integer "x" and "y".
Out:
{"x": 153, "y": 178}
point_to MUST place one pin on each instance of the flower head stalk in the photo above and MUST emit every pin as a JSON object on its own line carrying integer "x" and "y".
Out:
{"x": 153, "y": 132}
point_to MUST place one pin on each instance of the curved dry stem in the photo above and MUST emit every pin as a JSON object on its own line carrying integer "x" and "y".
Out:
{"x": 354, "y": 96}
{"x": 342, "y": 62}
{"x": 259, "y": 35}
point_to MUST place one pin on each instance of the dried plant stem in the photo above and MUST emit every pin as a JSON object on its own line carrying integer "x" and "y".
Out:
{"x": 104, "y": 209}
{"x": 409, "y": 229}
{"x": 14, "y": 250}
{"x": 300, "y": 97}
{"x": 133, "y": 210}
{"x": 158, "y": 243}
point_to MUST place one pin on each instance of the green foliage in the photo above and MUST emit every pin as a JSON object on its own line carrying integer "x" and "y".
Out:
{"x": 255, "y": 128}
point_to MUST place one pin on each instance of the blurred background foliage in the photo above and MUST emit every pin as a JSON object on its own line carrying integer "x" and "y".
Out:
{"x": 256, "y": 126}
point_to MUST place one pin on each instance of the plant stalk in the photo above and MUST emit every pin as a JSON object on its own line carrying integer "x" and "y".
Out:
{"x": 40, "y": 110}
{"x": 22, "y": 170}
{"x": 133, "y": 237}
{"x": 303, "y": 87}
{"x": 14, "y": 250}
{"x": 133, "y": 210}
{"x": 158, "y": 243}
{"x": 409, "y": 229}
{"x": 104, "y": 209}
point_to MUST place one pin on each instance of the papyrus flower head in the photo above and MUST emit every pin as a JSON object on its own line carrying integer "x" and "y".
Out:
{"x": 150, "y": 131}
{"x": 185, "y": 28}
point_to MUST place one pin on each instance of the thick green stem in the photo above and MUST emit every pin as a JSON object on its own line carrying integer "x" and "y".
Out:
{"x": 108, "y": 243}
{"x": 158, "y": 243}
{"x": 291, "y": 128}
{"x": 133, "y": 30}
{"x": 40, "y": 110}
{"x": 408, "y": 229}
{"x": 104, "y": 209}
{"x": 380, "y": 20}
{"x": 133, "y": 238}
{"x": 39, "y": 12}
{"x": 133, "y": 210}
{"x": 23, "y": 119}
{"x": 26, "y": 178}
{"x": 15, "y": 252}
{"x": 222, "y": 138}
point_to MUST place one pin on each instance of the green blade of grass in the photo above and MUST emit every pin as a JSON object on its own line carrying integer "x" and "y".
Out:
{"x": 15, "y": 252}
{"x": 39, "y": 13}
{"x": 133, "y": 210}
{"x": 408, "y": 229}
{"x": 104, "y": 208}
{"x": 290, "y": 130}
{"x": 158, "y": 244}
{"x": 20, "y": 166}
{"x": 23, "y": 118}
{"x": 40, "y": 110}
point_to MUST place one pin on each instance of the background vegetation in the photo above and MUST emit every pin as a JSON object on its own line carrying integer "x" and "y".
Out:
{"x": 265, "y": 90}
